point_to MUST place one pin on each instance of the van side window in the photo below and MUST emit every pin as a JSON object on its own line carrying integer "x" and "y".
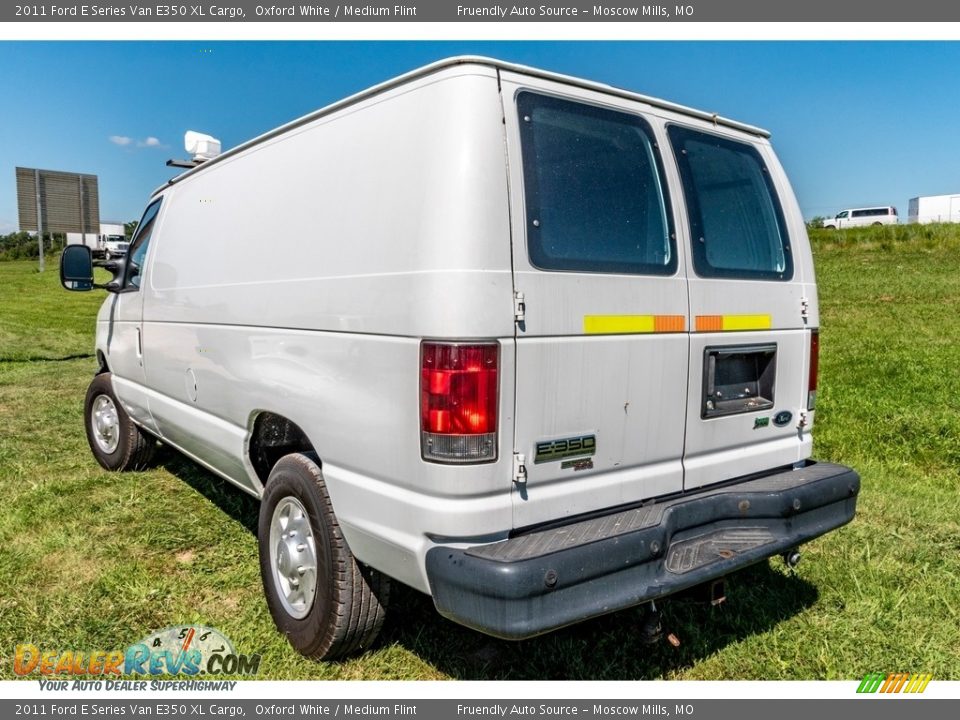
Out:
{"x": 594, "y": 189}
{"x": 736, "y": 221}
{"x": 138, "y": 246}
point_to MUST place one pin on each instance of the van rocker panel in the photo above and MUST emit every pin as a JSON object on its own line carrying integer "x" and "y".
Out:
{"x": 537, "y": 582}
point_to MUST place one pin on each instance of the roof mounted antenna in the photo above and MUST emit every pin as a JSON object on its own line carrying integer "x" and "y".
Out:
{"x": 201, "y": 147}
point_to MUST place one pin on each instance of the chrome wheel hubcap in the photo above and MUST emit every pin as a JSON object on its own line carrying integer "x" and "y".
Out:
{"x": 293, "y": 557}
{"x": 105, "y": 424}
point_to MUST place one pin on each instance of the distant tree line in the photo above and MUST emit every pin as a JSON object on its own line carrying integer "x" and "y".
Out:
{"x": 23, "y": 245}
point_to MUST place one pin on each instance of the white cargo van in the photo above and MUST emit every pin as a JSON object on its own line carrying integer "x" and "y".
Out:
{"x": 860, "y": 217}
{"x": 536, "y": 346}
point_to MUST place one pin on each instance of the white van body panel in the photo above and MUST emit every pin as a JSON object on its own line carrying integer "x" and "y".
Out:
{"x": 300, "y": 273}
{"x": 723, "y": 448}
{"x": 627, "y": 390}
{"x": 321, "y": 321}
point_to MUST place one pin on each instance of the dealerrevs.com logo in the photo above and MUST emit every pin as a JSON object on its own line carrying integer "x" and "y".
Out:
{"x": 179, "y": 650}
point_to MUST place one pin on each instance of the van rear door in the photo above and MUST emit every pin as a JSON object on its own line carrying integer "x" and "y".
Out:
{"x": 749, "y": 343}
{"x": 602, "y": 346}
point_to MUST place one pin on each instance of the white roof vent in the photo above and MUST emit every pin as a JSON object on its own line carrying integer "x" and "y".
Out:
{"x": 201, "y": 147}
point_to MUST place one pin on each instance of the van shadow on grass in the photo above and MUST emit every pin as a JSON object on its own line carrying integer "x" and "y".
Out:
{"x": 240, "y": 506}
{"x": 606, "y": 648}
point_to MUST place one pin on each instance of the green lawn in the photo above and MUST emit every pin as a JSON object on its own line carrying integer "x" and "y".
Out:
{"x": 92, "y": 560}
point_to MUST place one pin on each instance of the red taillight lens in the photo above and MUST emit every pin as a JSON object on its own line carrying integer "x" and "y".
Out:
{"x": 458, "y": 401}
{"x": 814, "y": 369}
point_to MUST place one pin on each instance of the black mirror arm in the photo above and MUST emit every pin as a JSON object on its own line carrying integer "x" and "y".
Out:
{"x": 117, "y": 269}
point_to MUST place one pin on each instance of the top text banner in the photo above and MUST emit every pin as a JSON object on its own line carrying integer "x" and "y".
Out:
{"x": 620, "y": 11}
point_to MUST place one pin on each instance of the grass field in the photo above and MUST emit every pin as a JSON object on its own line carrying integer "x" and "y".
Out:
{"x": 93, "y": 560}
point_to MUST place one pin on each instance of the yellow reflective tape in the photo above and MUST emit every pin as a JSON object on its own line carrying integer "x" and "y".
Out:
{"x": 912, "y": 685}
{"x": 629, "y": 324}
{"x": 923, "y": 685}
{"x": 726, "y": 323}
{"x": 747, "y": 322}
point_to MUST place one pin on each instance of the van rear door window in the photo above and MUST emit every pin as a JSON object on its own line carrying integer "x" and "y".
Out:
{"x": 736, "y": 221}
{"x": 595, "y": 195}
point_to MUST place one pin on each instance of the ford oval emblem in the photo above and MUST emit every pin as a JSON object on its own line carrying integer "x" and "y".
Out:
{"x": 782, "y": 418}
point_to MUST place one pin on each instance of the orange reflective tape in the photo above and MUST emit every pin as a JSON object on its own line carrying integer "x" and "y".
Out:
{"x": 669, "y": 323}
{"x": 709, "y": 323}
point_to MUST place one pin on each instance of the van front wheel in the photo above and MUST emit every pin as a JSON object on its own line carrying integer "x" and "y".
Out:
{"x": 115, "y": 440}
{"x": 320, "y": 597}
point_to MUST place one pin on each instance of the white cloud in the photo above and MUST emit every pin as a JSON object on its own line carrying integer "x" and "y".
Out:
{"x": 148, "y": 142}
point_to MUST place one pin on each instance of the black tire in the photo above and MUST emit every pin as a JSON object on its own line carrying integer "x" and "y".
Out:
{"x": 134, "y": 447}
{"x": 349, "y": 604}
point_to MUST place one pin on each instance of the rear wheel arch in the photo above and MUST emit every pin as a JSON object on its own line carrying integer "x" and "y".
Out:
{"x": 272, "y": 436}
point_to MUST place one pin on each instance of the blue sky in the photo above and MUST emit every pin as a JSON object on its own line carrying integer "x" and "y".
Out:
{"x": 855, "y": 123}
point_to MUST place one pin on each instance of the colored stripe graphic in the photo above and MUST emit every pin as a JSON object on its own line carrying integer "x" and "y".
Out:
{"x": 924, "y": 680}
{"x": 727, "y": 323}
{"x": 870, "y": 683}
{"x": 894, "y": 683}
{"x": 632, "y": 324}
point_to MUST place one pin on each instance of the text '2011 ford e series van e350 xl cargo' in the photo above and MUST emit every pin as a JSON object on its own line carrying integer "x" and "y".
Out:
{"x": 539, "y": 347}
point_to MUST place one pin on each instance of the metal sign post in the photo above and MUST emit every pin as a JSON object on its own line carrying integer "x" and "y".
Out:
{"x": 36, "y": 180}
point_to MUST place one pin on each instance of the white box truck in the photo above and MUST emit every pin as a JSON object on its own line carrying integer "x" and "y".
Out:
{"x": 113, "y": 241}
{"x": 110, "y": 242}
{"x": 539, "y": 347}
{"x": 91, "y": 240}
{"x": 934, "y": 209}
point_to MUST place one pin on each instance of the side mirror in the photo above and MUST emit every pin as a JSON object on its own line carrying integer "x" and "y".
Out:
{"x": 76, "y": 268}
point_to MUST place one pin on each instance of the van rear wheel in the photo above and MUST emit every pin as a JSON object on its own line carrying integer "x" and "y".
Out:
{"x": 320, "y": 597}
{"x": 115, "y": 440}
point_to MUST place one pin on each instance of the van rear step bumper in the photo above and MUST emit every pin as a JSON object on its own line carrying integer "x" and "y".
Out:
{"x": 537, "y": 582}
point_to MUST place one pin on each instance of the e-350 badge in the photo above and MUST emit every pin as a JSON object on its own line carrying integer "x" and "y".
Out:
{"x": 550, "y": 450}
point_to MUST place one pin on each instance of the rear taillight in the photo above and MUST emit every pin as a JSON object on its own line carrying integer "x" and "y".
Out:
{"x": 458, "y": 401}
{"x": 814, "y": 369}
